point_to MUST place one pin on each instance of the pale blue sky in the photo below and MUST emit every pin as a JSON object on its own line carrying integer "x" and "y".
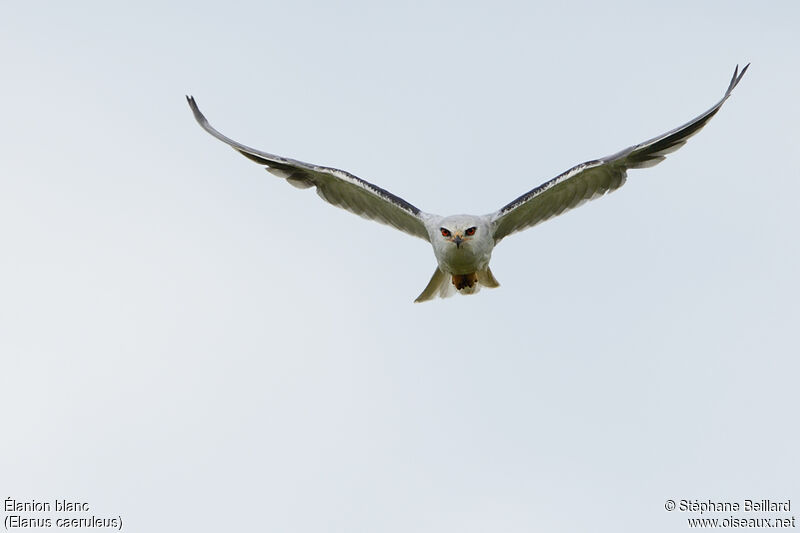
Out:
{"x": 192, "y": 344}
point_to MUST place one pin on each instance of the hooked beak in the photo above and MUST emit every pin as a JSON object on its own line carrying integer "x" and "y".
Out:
{"x": 458, "y": 240}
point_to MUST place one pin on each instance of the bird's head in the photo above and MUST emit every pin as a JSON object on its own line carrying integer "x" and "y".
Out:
{"x": 461, "y": 230}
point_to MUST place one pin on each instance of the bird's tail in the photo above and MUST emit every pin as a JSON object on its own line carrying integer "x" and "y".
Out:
{"x": 444, "y": 285}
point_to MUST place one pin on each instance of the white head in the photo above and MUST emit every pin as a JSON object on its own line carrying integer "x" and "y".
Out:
{"x": 461, "y": 230}
{"x": 462, "y": 243}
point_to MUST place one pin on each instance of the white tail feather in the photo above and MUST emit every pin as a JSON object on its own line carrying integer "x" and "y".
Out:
{"x": 441, "y": 285}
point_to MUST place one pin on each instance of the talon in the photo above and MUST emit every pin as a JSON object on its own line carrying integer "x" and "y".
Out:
{"x": 462, "y": 281}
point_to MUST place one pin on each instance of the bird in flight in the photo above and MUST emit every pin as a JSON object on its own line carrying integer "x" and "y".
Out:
{"x": 463, "y": 244}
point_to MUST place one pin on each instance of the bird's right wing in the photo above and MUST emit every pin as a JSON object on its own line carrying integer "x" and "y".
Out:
{"x": 595, "y": 178}
{"x": 337, "y": 187}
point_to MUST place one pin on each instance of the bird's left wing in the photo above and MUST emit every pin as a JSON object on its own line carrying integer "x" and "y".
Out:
{"x": 595, "y": 178}
{"x": 335, "y": 186}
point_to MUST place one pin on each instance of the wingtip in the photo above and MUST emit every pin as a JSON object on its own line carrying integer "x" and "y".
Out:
{"x": 199, "y": 117}
{"x": 737, "y": 77}
{"x": 744, "y": 70}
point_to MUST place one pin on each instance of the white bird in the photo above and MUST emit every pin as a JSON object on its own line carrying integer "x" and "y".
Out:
{"x": 463, "y": 244}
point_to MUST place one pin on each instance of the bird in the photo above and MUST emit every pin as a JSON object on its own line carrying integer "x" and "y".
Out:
{"x": 463, "y": 244}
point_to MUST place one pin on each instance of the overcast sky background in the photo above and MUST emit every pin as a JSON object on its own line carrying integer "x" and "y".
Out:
{"x": 194, "y": 345}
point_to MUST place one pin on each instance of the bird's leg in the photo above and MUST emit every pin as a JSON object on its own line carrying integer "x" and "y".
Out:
{"x": 462, "y": 281}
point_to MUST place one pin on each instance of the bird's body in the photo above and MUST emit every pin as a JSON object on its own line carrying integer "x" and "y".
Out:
{"x": 471, "y": 252}
{"x": 463, "y": 244}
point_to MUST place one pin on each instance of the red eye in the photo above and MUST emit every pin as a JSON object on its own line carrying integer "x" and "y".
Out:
{"x": 445, "y": 232}
{"x": 471, "y": 231}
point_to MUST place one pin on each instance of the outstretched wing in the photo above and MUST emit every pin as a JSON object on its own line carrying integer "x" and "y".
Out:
{"x": 335, "y": 186}
{"x": 592, "y": 179}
